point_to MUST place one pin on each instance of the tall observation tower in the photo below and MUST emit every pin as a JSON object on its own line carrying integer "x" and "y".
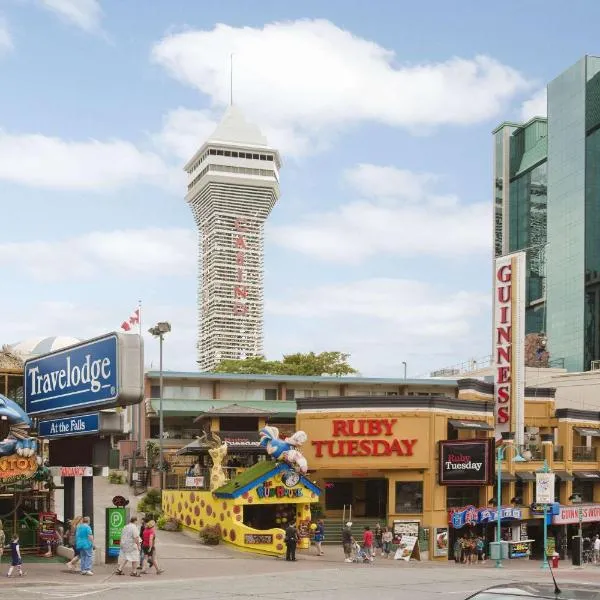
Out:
{"x": 233, "y": 185}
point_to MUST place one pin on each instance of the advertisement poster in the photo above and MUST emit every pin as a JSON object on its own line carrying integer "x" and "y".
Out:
{"x": 440, "y": 547}
{"x": 544, "y": 488}
{"x": 403, "y": 528}
{"x": 47, "y": 526}
{"x": 195, "y": 482}
{"x": 466, "y": 462}
{"x": 116, "y": 519}
{"x": 406, "y": 547}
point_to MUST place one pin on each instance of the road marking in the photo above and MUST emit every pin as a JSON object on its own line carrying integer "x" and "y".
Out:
{"x": 70, "y": 593}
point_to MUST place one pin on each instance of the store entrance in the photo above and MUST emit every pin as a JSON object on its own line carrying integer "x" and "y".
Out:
{"x": 269, "y": 516}
{"x": 368, "y": 497}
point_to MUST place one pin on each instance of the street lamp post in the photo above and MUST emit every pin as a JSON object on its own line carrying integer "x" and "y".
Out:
{"x": 404, "y": 364}
{"x": 159, "y": 331}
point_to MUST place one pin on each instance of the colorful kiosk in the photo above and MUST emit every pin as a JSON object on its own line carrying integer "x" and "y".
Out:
{"x": 252, "y": 510}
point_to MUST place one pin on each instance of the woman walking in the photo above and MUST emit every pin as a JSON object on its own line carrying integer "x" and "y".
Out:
{"x": 387, "y": 537}
{"x": 73, "y": 543}
{"x": 149, "y": 546}
{"x": 319, "y": 537}
{"x": 129, "y": 548}
{"x": 84, "y": 540}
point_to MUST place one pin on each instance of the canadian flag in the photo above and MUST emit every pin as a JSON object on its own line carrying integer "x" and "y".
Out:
{"x": 133, "y": 320}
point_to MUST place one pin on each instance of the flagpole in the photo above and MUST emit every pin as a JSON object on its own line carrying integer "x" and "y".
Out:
{"x": 140, "y": 406}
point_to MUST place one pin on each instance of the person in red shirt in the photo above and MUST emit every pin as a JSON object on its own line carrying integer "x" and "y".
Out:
{"x": 368, "y": 542}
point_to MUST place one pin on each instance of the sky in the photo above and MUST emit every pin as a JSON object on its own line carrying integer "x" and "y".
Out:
{"x": 380, "y": 244}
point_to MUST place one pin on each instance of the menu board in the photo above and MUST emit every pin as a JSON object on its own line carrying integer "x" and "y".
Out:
{"x": 47, "y": 529}
{"x": 402, "y": 528}
{"x": 406, "y": 547}
{"x": 258, "y": 538}
{"x": 440, "y": 547}
{"x": 519, "y": 549}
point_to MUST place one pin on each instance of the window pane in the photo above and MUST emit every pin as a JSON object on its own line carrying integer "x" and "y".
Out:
{"x": 271, "y": 394}
{"x": 409, "y": 496}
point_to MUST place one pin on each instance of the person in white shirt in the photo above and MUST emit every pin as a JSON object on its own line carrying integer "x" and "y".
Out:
{"x": 129, "y": 548}
{"x": 597, "y": 548}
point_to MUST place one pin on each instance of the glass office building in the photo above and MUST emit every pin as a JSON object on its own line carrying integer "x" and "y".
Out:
{"x": 520, "y": 194}
{"x": 547, "y": 200}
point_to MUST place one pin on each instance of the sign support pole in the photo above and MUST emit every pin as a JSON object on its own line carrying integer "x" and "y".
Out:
{"x": 499, "y": 506}
{"x": 69, "y": 498}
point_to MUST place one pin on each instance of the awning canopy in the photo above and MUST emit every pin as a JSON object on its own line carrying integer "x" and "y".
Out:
{"x": 238, "y": 442}
{"x": 506, "y": 477}
{"x": 563, "y": 476}
{"x": 480, "y": 425}
{"x": 526, "y": 476}
{"x": 588, "y": 431}
{"x": 587, "y": 475}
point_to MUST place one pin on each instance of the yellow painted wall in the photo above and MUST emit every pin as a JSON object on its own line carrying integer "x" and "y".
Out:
{"x": 196, "y": 510}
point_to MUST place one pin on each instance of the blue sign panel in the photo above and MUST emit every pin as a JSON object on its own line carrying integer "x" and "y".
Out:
{"x": 66, "y": 426}
{"x": 81, "y": 376}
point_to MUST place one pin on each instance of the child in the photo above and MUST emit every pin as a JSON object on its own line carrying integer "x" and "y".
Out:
{"x": 17, "y": 561}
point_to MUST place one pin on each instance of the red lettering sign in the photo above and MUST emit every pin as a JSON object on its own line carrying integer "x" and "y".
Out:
{"x": 503, "y": 344}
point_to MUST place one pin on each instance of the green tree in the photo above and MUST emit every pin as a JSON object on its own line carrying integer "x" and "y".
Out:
{"x": 309, "y": 364}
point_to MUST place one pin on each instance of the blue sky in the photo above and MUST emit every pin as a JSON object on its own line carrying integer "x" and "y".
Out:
{"x": 380, "y": 244}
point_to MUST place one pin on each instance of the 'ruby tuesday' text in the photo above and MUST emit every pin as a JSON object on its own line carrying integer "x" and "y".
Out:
{"x": 362, "y": 428}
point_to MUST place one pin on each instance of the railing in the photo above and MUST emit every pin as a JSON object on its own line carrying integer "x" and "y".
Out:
{"x": 559, "y": 453}
{"x": 177, "y": 481}
{"x": 584, "y": 454}
{"x": 532, "y": 452}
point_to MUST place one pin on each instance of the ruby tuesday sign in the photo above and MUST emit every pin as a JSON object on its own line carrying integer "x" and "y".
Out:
{"x": 363, "y": 437}
{"x": 466, "y": 462}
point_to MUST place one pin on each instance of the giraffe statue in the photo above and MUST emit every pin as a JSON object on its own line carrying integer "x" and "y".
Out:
{"x": 218, "y": 452}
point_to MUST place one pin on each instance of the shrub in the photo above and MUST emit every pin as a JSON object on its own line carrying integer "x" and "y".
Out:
{"x": 211, "y": 535}
{"x": 116, "y": 477}
{"x": 151, "y": 503}
{"x": 168, "y": 523}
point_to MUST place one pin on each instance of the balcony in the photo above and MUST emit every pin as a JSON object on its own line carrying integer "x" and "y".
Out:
{"x": 559, "y": 453}
{"x": 584, "y": 454}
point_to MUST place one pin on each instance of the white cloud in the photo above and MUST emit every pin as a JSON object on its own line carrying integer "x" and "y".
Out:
{"x": 122, "y": 253}
{"x": 36, "y": 160}
{"x": 536, "y": 106}
{"x": 416, "y": 308}
{"x": 405, "y": 217}
{"x": 6, "y": 43}
{"x": 306, "y": 80}
{"x": 85, "y": 14}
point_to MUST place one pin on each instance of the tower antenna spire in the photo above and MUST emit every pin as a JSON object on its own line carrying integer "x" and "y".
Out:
{"x": 231, "y": 79}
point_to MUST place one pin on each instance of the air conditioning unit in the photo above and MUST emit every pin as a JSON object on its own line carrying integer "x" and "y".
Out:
{"x": 595, "y": 365}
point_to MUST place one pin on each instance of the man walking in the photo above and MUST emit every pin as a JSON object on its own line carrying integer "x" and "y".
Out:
{"x": 291, "y": 541}
{"x": 347, "y": 541}
{"x": 129, "y": 548}
{"x": 597, "y": 549}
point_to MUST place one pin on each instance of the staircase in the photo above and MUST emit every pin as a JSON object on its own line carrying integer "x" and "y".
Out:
{"x": 334, "y": 526}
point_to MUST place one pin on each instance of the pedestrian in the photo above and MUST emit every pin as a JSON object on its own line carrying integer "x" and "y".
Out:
{"x": 2, "y": 540}
{"x": 17, "y": 561}
{"x": 291, "y": 541}
{"x": 319, "y": 537}
{"x": 129, "y": 548}
{"x": 149, "y": 546}
{"x": 458, "y": 550}
{"x": 347, "y": 541}
{"x": 84, "y": 540}
{"x": 145, "y": 521}
{"x": 597, "y": 549}
{"x": 368, "y": 542}
{"x": 480, "y": 549}
{"x": 386, "y": 537}
{"x": 378, "y": 535}
{"x": 73, "y": 543}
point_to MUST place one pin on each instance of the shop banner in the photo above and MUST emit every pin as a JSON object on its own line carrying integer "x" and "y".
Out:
{"x": 590, "y": 513}
{"x": 406, "y": 548}
{"x": 406, "y": 528}
{"x": 440, "y": 547}
{"x": 475, "y": 516}
{"x": 544, "y": 488}
{"x": 466, "y": 462}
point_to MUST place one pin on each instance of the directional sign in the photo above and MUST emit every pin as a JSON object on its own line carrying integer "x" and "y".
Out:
{"x": 104, "y": 372}
{"x": 85, "y": 424}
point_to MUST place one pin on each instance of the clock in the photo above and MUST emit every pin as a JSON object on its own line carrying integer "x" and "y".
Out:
{"x": 290, "y": 479}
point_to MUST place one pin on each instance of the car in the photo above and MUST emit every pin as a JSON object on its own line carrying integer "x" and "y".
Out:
{"x": 519, "y": 591}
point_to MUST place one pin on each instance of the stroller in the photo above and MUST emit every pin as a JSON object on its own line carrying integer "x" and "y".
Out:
{"x": 359, "y": 555}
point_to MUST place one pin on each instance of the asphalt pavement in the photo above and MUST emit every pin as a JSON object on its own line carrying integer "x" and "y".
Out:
{"x": 193, "y": 571}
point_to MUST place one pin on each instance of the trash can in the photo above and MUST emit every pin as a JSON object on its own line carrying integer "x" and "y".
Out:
{"x": 555, "y": 560}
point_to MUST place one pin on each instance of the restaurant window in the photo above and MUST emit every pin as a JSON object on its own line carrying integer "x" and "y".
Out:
{"x": 271, "y": 394}
{"x": 338, "y": 494}
{"x": 462, "y": 496}
{"x": 584, "y": 489}
{"x": 409, "y": 496}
